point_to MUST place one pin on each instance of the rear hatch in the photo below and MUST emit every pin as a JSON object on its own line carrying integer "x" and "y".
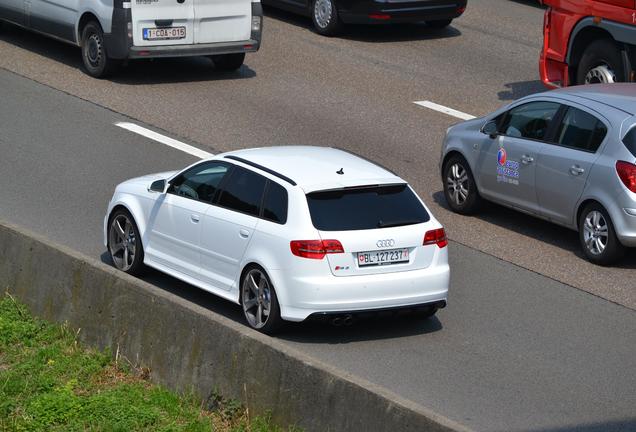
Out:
{"x": 222, "y": 20}
{"x": 181, "y": 22}
{"x": 381, "y": 228}
{"x": 162, "y": 22}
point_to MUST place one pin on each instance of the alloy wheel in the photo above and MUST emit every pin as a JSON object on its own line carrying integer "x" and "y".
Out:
{"x": 595, "y": 232}
{"x": 256, "y": 298}
{"x": 457, "y": 183}
{"x": 322, "y": 12}
{"x": 601, "y": 74}
{"x": 122, "y": 242}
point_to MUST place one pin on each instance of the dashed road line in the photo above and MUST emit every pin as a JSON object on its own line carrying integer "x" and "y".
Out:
{"x": 444, "y": 109}
{"x": 171, "y": 142}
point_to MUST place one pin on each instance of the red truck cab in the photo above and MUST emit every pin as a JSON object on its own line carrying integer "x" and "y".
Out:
{"x": 588, "y": 41}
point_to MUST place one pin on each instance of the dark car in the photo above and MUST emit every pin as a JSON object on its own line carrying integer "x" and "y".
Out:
{"x": 329, "y": 15}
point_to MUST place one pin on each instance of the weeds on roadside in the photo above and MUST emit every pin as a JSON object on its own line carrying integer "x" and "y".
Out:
{"x": 49, "y": 382}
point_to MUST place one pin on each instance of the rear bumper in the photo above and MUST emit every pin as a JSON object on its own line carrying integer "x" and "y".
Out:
{"x": 378, "y": 11}
{"x": 194, "y": 50}
{"x": 305, "y": 296}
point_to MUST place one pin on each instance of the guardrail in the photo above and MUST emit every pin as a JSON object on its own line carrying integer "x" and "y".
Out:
{"x": 190, "y": 348}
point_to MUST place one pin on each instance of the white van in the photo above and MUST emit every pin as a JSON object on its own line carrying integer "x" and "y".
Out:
{"x": 111, "y": 31}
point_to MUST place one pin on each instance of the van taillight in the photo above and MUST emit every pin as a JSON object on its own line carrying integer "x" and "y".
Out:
{"x": 437, "y": 236}
{"x": 315, "y": 249}
{"x": 627, "y": 173}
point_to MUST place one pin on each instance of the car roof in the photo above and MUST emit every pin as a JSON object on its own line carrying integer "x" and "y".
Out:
{"x": 315, "y": 168}
{"x": 620, "y": 95}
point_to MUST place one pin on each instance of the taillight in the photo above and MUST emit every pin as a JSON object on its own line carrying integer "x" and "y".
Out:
{"x": 437, "y": 236}
{"x": 627, "y": 173}
{"x": 315, "y": 249}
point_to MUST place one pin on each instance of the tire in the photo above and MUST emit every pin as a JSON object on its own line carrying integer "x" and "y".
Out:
{"x": 257, "y": 298}
{"x": 94, "y": 55}
{"x": 460, "y": 189}
{"x": 324, "y": 15}
{"x": 439, "y": 24}
{"x": 228, "y": 62}
{"x": 598, "y": 237}
{"x": 601, "y": 62}
{"x": 124, "y": 243}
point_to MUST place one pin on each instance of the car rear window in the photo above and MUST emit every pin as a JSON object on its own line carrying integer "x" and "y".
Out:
{"x": 630, "y": 140}
{"x": 365, "y": 208}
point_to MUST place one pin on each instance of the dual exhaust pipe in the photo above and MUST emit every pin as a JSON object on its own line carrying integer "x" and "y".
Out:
{"x": 342, "y": 320}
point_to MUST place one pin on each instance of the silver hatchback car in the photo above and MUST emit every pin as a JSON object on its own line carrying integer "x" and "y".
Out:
{"x": 568, "y": 156}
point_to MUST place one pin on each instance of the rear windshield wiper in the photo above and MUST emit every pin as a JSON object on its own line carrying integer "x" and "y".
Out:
{"x": 382, "y": 224}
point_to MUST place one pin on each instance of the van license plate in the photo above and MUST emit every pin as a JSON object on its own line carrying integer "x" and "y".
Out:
{"x": 392, "y": 256}
{"x": 164, "y": 33}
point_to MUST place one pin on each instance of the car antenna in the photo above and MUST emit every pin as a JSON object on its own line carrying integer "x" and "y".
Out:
{"x": 340, "y": 171}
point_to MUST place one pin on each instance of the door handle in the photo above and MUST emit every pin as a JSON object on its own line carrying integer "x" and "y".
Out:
{"x": 525, "y": 159}
{"x": 576, "y": 170}
{"x": 195, "y": 218}
{"x": 244, "y": 233}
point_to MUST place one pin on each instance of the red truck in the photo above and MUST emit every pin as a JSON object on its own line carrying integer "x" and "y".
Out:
{"x": 588, "y": 41}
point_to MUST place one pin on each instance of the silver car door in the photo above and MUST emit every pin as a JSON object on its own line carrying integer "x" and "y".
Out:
{"x": 507, "y": 168}
{"x": 55, "y": 17}
{"x": 563, "y": 166}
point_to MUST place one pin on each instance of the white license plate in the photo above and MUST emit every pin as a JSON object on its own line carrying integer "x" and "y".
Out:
{"x": 164, "y": 33}
{"x": 392, "y": 256}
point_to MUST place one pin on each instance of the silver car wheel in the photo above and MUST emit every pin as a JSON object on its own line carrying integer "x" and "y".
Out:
{"x": 595, "y": 232}
{"x": 322, "y": 12}
{"x": 121, "y": 242}
{"x": 256, "y": 298}
{"x": 457, "y": 182}
{"x": 601, "y": 74}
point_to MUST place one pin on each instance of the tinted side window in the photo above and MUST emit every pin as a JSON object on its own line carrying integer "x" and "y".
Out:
{"x": 243, "y": 191}
{"x": 200, "y": 182}
{"x": 275, "y": 203}
{"x": 630, "y": 140}
{"x": 365, "y": 208}
{"x": 530, "y": 120}
{"x": 581, "y": 130}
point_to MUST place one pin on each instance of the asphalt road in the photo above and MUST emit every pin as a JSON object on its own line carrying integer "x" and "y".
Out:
{"x": 357, "y": 92}
{"x": 516, "y": 349}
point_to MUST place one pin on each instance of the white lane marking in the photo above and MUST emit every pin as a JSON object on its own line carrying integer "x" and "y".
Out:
{"x": 165, "y": 140}
{"x": 444, "y": 109}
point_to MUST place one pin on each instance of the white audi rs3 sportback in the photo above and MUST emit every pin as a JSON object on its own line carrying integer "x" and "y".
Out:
{"x": 286, "y": 232}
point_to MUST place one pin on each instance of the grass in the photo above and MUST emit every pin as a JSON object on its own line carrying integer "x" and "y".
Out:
{"x": 49, "y": 382}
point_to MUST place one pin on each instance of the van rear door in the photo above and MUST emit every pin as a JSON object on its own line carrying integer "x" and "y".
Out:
{"x": 162, "y": 22}
{"x": 222, "y": 20}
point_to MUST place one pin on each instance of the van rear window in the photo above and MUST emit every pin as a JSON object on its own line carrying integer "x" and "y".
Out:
{"x": 630, "y": 140}
{"x": 364, "y": 208}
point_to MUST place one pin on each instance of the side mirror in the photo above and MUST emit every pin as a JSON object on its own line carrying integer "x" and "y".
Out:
{"x": 158, "y": 186}
{"x": 490, "y": 129}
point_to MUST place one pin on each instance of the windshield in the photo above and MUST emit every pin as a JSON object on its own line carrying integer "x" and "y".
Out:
{"x": 363, "y": 208}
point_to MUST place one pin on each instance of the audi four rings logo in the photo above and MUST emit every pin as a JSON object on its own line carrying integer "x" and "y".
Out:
{"x": 385, "y": 243}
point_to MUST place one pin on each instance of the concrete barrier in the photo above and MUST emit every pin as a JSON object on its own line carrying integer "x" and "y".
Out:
{"x": 189, "y": 348}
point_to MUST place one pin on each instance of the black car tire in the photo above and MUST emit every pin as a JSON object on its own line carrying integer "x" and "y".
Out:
{"x": 598, "y": 53}
{"x": 439, "y": 24}
{"x": 613, "y": 250}
{"x": 470, "y": 204}
{"x": 228, "y": 62}
{"x": 94, "y": 55}
{"x": 273, "y": 321}
{"x": 137, "y": 266}
{"x": 330, "y": 12}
